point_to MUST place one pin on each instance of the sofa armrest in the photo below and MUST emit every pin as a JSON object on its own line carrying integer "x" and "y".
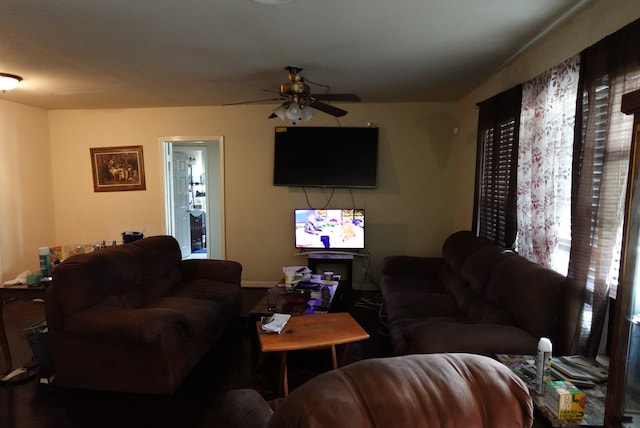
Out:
{"x": 411, "y": 265}
{"x": 245, "y": 408}
{"x": 219, "y": 270}
{"x": 140, "y": 325}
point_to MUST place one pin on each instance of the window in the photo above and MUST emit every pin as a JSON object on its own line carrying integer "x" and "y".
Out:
{"x": 600, "y": 160}
{"x": 544, "y": 165}
{"x": 495, "y": 201}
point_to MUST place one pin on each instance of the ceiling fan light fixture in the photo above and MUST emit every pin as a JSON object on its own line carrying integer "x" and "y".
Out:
{"x": 307, "y": 113}
{"x": 281, "y": 111}
{"x": 9, "y": 81}
{"x": 294, "y": 113}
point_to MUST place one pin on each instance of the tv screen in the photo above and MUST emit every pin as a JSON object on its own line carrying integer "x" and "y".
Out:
{"x": 329, "y": 229}
{"x": 326, "y": 157}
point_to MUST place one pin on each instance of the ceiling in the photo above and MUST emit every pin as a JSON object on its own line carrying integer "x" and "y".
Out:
{"x": 149, "y": 53}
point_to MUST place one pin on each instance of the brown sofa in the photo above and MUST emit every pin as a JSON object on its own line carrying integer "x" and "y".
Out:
{"x": 135, "y": 317}
{"x": 412, "y": 391}
{"x": 476, "y": 298}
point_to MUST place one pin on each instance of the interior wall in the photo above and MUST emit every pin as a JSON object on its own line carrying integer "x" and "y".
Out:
{"x": 26, "y": 190}
{"x": 599, "y": 19}
{"x": 409, "y": 212}
{"x": 426, "y": 173}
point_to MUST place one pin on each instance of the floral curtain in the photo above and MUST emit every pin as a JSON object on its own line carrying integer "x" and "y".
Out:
{"x": 544, "y": 163}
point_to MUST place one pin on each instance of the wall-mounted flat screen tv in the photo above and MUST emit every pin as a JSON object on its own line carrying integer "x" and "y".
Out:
{"x": 326, "y": 157}
{"x": 329, "y": 229}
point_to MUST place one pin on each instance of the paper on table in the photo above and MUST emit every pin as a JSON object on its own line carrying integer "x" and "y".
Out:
{"x": 18, "y": 280}
{"x": 275, "y": 323}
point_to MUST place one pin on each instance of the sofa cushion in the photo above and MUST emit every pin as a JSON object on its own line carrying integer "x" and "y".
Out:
{"x": 458, "y": 246}
{"x": 198, "y": 315}
{"x": 207, "y": 289}
{"x": 434, "y": 336}
{"x": 159, "y": 257}
{"x": 477, "y": 268}
{"x": 407, "y": 304}
{"x": 128, "y": 325}
{"x": 85, "y": 280}
{"x": 483, "y": 311}
{"x": 531, "y": 293}
{"x": 468, "y": 286}
{"x": 156, "y": 255}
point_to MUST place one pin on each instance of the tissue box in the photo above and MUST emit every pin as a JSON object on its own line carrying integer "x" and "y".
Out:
{"x": 565, "y": 400}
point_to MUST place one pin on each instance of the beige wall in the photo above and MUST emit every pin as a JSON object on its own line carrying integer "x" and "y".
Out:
{"x": 409, "y": 213}
{"x": 26, "y": 192}
{"x": 599, "y": 19}
{"x": 425, "y": 172}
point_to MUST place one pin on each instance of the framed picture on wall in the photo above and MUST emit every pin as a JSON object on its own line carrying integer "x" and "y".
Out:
{"x": 117, "y": 169}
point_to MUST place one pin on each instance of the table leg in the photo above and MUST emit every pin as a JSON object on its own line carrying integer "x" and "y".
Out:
{"x": 4, "y": 343}
{"x": 284, "y": 377}
{"x": 345, "y": 355}
{"x": 255, "y": 343}
{"x": 334, "y": 359}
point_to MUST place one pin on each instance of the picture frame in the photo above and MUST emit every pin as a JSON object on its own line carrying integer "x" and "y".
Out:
{"x": 117, "y": 169}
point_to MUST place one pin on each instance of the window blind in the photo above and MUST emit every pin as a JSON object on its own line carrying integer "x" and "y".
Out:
{"x": 495, "y": 196}
{"x": 609, "y": 69}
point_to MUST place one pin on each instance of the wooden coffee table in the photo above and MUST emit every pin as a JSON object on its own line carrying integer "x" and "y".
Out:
{"x": 312, "y": 332}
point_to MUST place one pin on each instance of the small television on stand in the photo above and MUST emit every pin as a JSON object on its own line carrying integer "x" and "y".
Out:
{"x": 333, "y": 229}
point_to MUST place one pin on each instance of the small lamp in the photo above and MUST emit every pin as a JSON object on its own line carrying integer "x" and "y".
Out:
{"x": 9, "y": 81}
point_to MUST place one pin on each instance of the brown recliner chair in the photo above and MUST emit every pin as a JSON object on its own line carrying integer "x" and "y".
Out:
{"x": 413, "y": 391}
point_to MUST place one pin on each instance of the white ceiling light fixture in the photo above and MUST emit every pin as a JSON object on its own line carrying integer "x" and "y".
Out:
{"x": 294, "y": 111}
{"x": 9, "y": 81}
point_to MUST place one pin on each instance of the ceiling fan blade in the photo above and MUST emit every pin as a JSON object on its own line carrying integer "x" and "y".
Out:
{"x": 337, "y": 97}
{"x": 326, "y": 108}
{"x": 254, "y": 101}
{"x": 272, "y": 116}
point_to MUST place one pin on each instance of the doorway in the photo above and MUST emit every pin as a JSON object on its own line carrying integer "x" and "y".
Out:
{"x": 194, "y": 197}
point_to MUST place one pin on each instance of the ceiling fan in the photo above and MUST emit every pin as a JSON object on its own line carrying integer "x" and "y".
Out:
{"x": 299, "y": 103}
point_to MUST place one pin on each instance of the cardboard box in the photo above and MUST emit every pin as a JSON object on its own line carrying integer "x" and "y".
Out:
{"x": 565, "y": 400}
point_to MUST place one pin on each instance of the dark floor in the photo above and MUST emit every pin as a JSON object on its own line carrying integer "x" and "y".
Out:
{"x": 196, "y": 403}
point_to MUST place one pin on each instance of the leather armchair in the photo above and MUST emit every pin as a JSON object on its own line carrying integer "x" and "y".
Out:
{"x": 416, "y": 391}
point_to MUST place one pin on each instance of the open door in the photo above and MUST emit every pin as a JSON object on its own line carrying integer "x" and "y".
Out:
{"x": 180, "y": 199}
{"x": 195, "y": 193}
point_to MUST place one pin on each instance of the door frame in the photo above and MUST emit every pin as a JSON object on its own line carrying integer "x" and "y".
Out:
{"x": 215, "y": 209}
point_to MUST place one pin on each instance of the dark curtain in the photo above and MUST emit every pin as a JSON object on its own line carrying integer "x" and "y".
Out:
{"x": 600, "y": 168}
{"x": 494, "y": 212}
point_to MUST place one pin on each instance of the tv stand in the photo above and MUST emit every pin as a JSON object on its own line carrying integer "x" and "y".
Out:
{"x": 317, "y": 259}
{"x": 304, "y": 252}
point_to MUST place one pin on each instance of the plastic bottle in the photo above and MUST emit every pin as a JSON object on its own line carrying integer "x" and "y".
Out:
{"x": 326, "y": 297}
{"x": 543, "y": 363}
{"x": 43, "y": 253}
